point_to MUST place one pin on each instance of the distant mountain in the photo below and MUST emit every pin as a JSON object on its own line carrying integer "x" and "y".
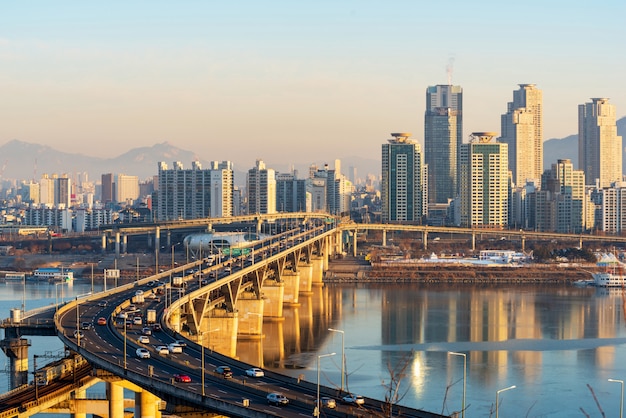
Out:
{"x": 23, "y": 160}
{"x": 567, "y": 148}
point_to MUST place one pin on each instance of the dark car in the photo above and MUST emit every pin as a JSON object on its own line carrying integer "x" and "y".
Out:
{"x": 225, "y": 371}
{"x": 277, "y": 399}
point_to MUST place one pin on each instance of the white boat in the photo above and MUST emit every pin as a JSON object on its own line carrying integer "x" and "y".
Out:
{"x": 613, "y": 274}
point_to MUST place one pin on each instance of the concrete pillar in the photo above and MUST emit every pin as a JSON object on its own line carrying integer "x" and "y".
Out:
{"x": 354, "y": 237}
{"x": 291, "y": 279}
{"x": 524, "y": 243}
{"x": 258, "y": 225}
{"x": 325, "y": 251}
{"x": 221, "y": 332}
{"x": 425, "y": 239}
{"x": 384, "y": 237}
{"x": 117, "y": 244}
{"x": 273, "y": 300}
{"x": 115, "y": 394}
{"x": 80, "y": 408}
{"x": 145, "y": 405}
{"x": 16, "y": 349}
{"x": 306, "y": 277}
{"x": 124, "y": 243}
{"x": 169, "y": 239}
{"x": 104, "y": 242}
{"x": 157, "y": 247}
{"x": 175, "y": 319}
{"x": 317, "y": 273}
{"x": 473, "y": 241}
{"x": 250, "y": 317}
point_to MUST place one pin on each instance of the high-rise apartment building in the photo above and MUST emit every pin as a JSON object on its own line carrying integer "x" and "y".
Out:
{"x": 484, "y": 186}
{"x": 290, "y": 193}
{"x": 107, "y": 188}
{"x": 599, "y": 146}
{"x": 261, "y": 186}
{"x": 403, "y": 187}
{"x": 522, "y": 130}
{"x": 443, "y": 136}
{"x": 194, "y": 193}
{"x": 126, "y": 188}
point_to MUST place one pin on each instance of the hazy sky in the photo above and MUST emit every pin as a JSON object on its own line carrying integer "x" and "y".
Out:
{"x": 292, "y": 81}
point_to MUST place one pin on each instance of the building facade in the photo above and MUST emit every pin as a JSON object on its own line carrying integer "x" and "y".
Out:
{"x": 522, "y": 131}
{"x": 443, "y": 136}
{"x": 403, "y": 186}
{"x": 599, "y": 146}
{"x": 290, "y": 193}
{"x": 261, "y": 187}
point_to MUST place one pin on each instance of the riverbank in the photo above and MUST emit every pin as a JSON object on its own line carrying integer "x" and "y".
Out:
{"x": 357, "y": 270}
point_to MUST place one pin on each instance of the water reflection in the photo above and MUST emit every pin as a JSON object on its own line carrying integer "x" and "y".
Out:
{"x": 543, "y": 339}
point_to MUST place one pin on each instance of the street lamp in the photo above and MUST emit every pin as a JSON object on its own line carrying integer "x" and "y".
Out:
{"x": 498, "y": 393}
{"x": 343, "y": 355}
{"x": 621, "y": 402}
{"x": 316, "y": 411}
{"x": 125, "y": 343}
{"x": 202, "y": 345}
{"x": 464, "y": 378}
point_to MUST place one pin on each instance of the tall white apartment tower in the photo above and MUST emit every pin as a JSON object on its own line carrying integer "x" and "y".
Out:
{"x": 484, "y": 188}
{"x": 522, "y": 130}
{"x": 443, "y": 136}
{"x": 599, "y": 146}
{"x": 261, "y": 182}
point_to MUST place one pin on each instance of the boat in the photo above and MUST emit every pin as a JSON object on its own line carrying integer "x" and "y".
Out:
{"x": 613, "y": 274}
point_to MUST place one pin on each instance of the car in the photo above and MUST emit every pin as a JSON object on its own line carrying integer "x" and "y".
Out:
{"x": 143, "y": 339}
{"x": 225, "y": 371}
{"x": 354, "y": 399}
{"x": 162, "y": 349}
{"x": 102, "y": 321}
{"x": 156, "y": 327}
{"x": 277, "y": 399}
{"x": 102, "y": 304}
{"x": 255, "y": 372}
{"x": 138, "y": 320}
{"x": 151, "y": 283}
{"x": 175, "y": 348}
{"x": 79, "y": 334}
{"x": 142, "y": 353}
{"x": 146, "y": 331}
{"x": 85, "y": 325}
{"x": 181, "y": 378}
{"x": 327, "y": 402}
{"x": 182, "y": 343}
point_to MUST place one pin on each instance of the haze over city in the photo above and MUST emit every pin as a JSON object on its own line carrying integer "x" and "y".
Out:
{"x": 271, "y": 80}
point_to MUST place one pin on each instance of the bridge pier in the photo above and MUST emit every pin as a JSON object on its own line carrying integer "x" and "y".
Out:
{"x": 291, "y": 279}
{"x": 146, "y": 405}
{"x": 250, "y": 319}
{"x": 384, "y": 238}
{"x": 16, "y": 349}
{"x": 124, "y": 243}
{"x": 273, "y": 294}
{"x": 115, "y": 395}
{"x": 117, "y": 244}
{"x": 221, "y": 331}
{"x": 103, "y": 243}
{"x": 354, "y": 249}
{"x": 80, "y": 408}
{"x": 425, "y": 239}
{"x": 317, "y": 271}
{"x": 306, "y": 277}
{"x": 473, "y": 241}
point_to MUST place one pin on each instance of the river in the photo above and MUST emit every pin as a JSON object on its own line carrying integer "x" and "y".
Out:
{"x": 558, "y": 345}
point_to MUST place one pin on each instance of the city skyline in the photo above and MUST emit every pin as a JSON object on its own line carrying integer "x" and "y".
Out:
{"x": 94, "y": 78}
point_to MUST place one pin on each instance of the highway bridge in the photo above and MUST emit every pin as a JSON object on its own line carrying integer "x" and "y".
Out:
{"x": 215, "y": 301}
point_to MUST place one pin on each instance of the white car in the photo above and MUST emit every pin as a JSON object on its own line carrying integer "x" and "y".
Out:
{"x": 255, "y": 372}
{"x": 277, "y": 399}
{"x": 162, "y": 349}
{"x": 143, "y": 339}
{"x": 142, "y": 353}
{"x": 354, "y": 399}
{"x": 175, "y": 348}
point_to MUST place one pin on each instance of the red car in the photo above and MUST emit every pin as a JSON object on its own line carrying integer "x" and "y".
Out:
{"x": 182, "y": 378}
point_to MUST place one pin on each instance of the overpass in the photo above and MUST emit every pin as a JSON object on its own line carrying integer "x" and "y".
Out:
{"x": 223, "y": 301}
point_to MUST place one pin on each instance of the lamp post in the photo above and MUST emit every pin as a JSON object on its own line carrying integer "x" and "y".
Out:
{"x": 202, "y": 362}
{"x": 621, "y": 402}
{"x": 498, "y": 394}
{"x": 125, "y": 343}
{"x": 316, "y": 411}
{"x": 464, "y": 378}
{"x": 343, "y": 355}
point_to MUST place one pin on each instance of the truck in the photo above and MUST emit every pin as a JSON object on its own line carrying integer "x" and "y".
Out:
{"x": 177, "y": 281}
{"x": 139, "y": 297}
{"x": 151, "y": 316}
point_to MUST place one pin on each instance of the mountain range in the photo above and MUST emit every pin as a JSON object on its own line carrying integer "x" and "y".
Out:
{"x": 24, "y": 160}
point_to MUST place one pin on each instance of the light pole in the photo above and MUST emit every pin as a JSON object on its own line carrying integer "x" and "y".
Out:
{"x": 125, "y": 343}
{"x": 316, "y": 411}
{"x": 343, "y": 355}
{"x": 621, "y": 402}
{"x": 498, "y": 394}
{"x": 202, "y": 365}
{"x": 464, "y": 378}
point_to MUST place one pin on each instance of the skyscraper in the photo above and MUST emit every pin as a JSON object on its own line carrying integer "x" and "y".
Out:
{"x": 599, "y": 146}
{"x": 404, "y": 192}
{"x": 484, "y": 186}
{"x": 522, "y": 130}
{"x": 443, "y": 136}
{"x": 261, "y": 182}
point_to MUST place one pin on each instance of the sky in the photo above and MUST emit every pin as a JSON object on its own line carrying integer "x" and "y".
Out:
{"x": 292, "y": 81}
